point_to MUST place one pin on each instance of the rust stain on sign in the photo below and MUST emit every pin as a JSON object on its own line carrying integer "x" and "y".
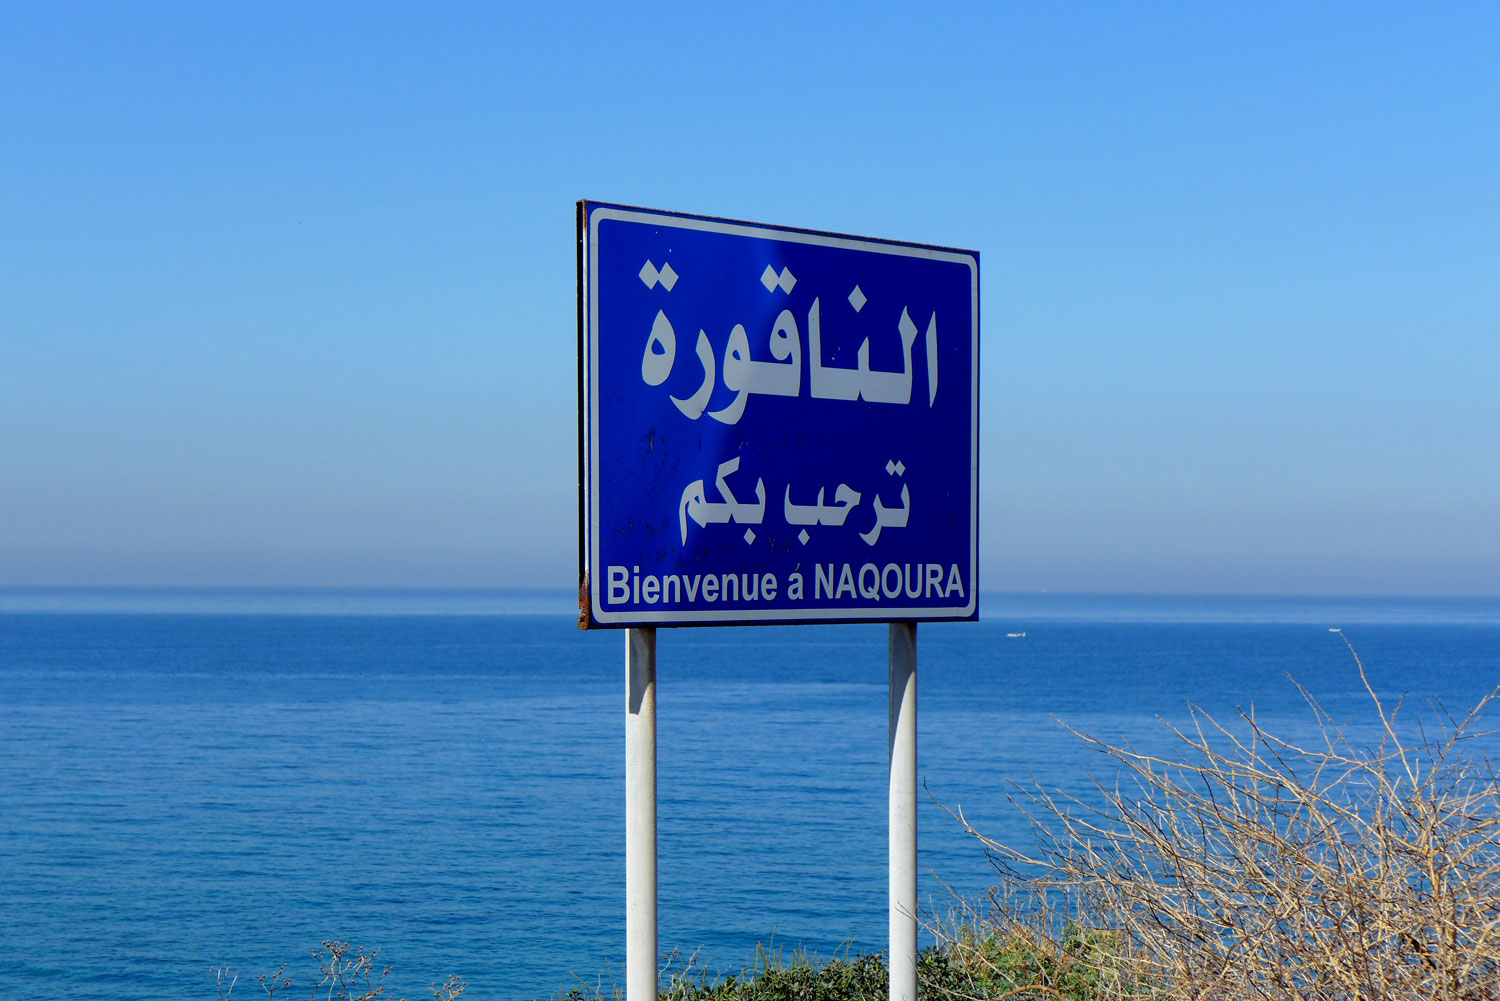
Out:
{"x": 583, "y": 602}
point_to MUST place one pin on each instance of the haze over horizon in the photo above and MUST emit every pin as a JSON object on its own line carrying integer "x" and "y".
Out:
{"x": 287, "y": 293}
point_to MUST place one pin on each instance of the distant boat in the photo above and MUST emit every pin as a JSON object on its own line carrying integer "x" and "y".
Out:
{"x": 1015, "y": 636}
{"x": 1335, "y": 630}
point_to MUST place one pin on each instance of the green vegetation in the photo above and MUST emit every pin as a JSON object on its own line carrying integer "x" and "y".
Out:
{"x": 1013, "y": 962}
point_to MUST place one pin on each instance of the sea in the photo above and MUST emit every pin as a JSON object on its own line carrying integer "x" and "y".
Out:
{"x": 202, "y": 780}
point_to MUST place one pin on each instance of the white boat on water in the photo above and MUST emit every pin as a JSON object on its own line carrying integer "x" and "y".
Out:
{"x": 1015, "y": 636}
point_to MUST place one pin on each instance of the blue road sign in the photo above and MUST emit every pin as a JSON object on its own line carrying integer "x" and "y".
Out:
{"x": 776, "y": 425}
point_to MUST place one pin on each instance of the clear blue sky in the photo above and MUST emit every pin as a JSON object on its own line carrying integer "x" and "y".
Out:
{"x": 287, "y": 291}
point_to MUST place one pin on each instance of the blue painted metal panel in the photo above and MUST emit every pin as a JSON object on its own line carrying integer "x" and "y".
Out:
{"x": 778, "y": 425}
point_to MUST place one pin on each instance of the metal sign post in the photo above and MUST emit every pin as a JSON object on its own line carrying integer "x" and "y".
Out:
{"x": 903, "y": 811}
{"x": 776, "y": 425}
{"x": 640, "y": 814}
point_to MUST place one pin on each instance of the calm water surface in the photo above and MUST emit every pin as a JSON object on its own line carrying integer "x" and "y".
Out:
{"x": 195, "y": 779}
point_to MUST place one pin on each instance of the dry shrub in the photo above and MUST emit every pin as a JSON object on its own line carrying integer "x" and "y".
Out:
{"x": 346, "y": 972}
{"x": 1249, "y": 866}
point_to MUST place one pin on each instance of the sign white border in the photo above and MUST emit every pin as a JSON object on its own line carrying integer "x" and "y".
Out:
{"x": 595, "y": 213}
